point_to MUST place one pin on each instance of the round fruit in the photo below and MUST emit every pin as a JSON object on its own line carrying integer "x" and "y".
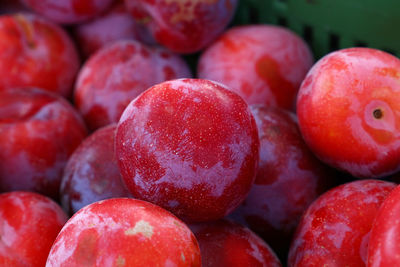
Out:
{"x": 190, "y": 146}
{"x": 124, "y": 232}
{"x": 348, "y": 108}
{"x": 289, "y": 179}
{"x": 118, "y": 73}
{"x": 264, "y": 64}
{"x": 227, "y": 244}
{"x": 183, "y": 26}
{"x": 335, "y": 229}
{"x": 36, "y": 53}
{"x": 38, "y": 133}
{"x": 29, "y": 225}
{"x": 92, "y": 173}
{"x": 384, "y": 240}
{"x": 68, "y": 11}
{"x": 117, "y": 24}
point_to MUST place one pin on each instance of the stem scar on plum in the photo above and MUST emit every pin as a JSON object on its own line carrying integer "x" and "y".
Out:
{"x": 27, "y": 30}
{"x": 377, "y": 113}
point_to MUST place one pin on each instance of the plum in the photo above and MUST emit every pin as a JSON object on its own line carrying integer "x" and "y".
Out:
{"x": 383, "y": 248}
{"x": 68, "y": 11}
{"x": 190, "y": 146}
{"x": 183, "y": 26}
{"x": 38, "y": 132}
{"x": 118, "y": 73}
{"x": 116, "y": 24}
{"x": 227, "y": 244}
{"x": 335, "y": 229}
{"x": 348, "y": 108}
{"x": 264, "y": 64}
{"x": 289, "y": 179}
{"x": 124, "y": 232}
{"x": 36, "y": 53}
{"x": 92, "y": 173}
{"x": 30, "y": 223}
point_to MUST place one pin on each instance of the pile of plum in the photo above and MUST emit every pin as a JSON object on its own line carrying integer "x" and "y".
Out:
{"x": 115, "y": 151}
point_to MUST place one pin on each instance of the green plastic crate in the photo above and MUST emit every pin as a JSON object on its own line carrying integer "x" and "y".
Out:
{"x": 328, "y": 25}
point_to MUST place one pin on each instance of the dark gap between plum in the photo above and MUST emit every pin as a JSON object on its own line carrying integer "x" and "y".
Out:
{"x": 360, "y": 44}
{"x": 308, "y": 34}
{"x": 254, "y": 15}
{"x": 282, "y": 21}
{"x": 333, "y": 42}
{"x": 390, "y": 51}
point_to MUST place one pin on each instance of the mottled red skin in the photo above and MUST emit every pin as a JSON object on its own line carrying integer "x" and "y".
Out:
{"x": 35, "y": 52}
{"x": 68, "y": 11}
{"x": 336, "y": 105}
{"x": 38, "y": 133}
{"x": 124, "y": 232}
{"x": 334, "y": 231}
{"x": 264, "y": 64}
{"x": 227, "y": 244}
{"x": 118, "y": 73}
{"x": 383, "y": 246}
{"x": 29, "y": 224}
{"x": 190, "y": 146}
{"x": 289, "y": 178}
{"x": 183, "y": 26}
{"x": 92, "y": 172}
{"x": 116, "y": 24}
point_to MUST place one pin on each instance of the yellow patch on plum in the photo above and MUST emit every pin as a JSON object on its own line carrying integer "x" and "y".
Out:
{"x": 186, "y": 9}
{"x": 141, "y": 227}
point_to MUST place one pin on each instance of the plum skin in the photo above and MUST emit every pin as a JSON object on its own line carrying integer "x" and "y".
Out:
{"x": 348, "y": 108}
{"x": 118, "y": 73}
{"x": 30, "y": 223}
{"x": 68, "y": 11}
{"x": 383, "y": 248}
{"x": 183, "y": 26}
{"x": 38, "y": 132}
{"x": 116, "y": 24}
{"x": 289, "y": 179}
{"x": 190, "y": 146}
{"x": 335, "y": 228}
{"x": 36, "y": 53}
{"x": 143, "y": 234}
{"x": 92, "y": 172}
{"x": 264, "y": 64}
{"x": 225, "y": 243}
